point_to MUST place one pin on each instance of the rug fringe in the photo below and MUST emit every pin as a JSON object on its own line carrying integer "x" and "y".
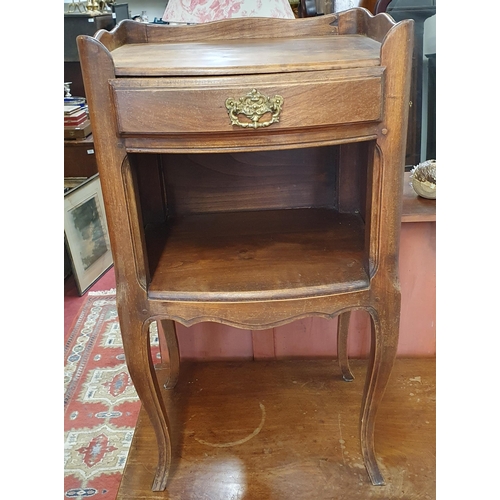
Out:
{"x": 112, "y": 291}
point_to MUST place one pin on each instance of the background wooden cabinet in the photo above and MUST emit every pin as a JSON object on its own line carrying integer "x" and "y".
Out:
{"x": 79, "y": 158}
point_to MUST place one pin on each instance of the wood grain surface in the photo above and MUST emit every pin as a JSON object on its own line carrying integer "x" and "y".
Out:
{"x": 288, "y": 430}
{"x": 238, "y": 56}
{"x": 244, "y": 256}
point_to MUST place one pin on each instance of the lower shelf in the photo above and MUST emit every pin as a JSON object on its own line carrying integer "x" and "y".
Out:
{"x": 264, "y": 255}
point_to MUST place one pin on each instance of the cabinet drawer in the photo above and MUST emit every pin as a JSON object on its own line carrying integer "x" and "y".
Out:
{"x": 204, "y": 105}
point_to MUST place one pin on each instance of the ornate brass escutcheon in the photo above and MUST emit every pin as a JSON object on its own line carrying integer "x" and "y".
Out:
{"x": 254, "y": 105}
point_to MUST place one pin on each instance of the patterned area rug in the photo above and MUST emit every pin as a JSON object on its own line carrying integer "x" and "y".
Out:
{"x": 100, "y": 403}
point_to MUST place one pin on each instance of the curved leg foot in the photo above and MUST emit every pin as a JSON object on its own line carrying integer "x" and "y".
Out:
{"x": 137, "y": 350}
{"x": 385, "y": 332}
{"x": 342, "y": 334}
{"x": 170, "y": 334}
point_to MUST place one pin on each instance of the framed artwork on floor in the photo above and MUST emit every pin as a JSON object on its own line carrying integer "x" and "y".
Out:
{"x": 86, "y": 233}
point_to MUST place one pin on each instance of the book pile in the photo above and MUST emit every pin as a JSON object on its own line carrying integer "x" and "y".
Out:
{"x": 76, "y": 121}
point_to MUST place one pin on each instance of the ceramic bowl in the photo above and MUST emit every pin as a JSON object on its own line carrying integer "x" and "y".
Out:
{"x": 424, "y": 189}
{"x": 423, "y": 179}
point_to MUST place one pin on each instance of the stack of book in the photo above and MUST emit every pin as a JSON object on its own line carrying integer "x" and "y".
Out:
{"x": 76, "y": 122}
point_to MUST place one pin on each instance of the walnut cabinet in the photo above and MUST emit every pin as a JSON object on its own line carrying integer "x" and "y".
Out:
{"x": 252, "y": 172}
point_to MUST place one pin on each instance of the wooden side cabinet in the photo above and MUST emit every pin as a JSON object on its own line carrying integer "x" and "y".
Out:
{"x": 252, "y": 172}
{"x": 79, "y": 157}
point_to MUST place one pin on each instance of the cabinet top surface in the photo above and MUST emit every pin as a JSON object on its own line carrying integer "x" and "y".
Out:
{"x": 244, "y": 56}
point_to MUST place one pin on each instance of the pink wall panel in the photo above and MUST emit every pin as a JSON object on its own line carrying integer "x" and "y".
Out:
{"x": 214, "y": 341}
{"x": 358, "y": 345}
{"x": 317, "y": 337}
{"x": 264, "y": 344}
{"x": 305, "y": 338}
{"x": 417, "y": 271}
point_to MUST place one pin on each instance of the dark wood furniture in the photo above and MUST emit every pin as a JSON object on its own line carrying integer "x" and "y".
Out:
{"x": 79, "y": 157}
{"x": 252, "y": 171}
{"x": 80, "y": 24}
{"x": 368, "y": 4}
{"x": 419, "y": 11}
{"x": 307, "y": 8}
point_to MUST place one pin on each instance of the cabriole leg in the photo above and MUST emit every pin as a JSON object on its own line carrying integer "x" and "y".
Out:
{"x": 136, "y": 344}
{"x": 342, "y": 335}
{"x": 170, "y": 334}
{"x": 385, "y": 332}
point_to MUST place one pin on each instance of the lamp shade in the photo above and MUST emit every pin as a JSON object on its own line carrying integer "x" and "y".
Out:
{"x": 202, "y": 11}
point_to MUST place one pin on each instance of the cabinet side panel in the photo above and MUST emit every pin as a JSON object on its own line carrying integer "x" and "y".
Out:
{"x": 151, "y": 187}
{"x": 353, "y": 161}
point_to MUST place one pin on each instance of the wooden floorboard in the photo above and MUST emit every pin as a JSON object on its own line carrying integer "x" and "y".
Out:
{"x": 284, "y": 430}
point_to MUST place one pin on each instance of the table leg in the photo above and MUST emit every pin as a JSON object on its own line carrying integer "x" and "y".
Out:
{"x": 136, "y": 344}
{"x": 385, "y": 332}
{"x": 170, "y": 334}
{"x": 342, "y": 334}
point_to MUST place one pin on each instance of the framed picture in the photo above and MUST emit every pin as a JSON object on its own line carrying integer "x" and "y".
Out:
{"x": 73, "y": 182}
{"x": 86, "y": 233}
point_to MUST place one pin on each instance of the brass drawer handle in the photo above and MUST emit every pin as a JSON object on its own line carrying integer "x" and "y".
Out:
{"x": 254, "y": 105}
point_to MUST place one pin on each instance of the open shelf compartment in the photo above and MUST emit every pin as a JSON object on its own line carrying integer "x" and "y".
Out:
{"x": 273, "y": 225}
{"x": 265, "y": 255}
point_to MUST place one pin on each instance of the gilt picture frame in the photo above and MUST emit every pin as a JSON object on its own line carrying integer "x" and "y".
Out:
{"x": 86, "y": 233}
